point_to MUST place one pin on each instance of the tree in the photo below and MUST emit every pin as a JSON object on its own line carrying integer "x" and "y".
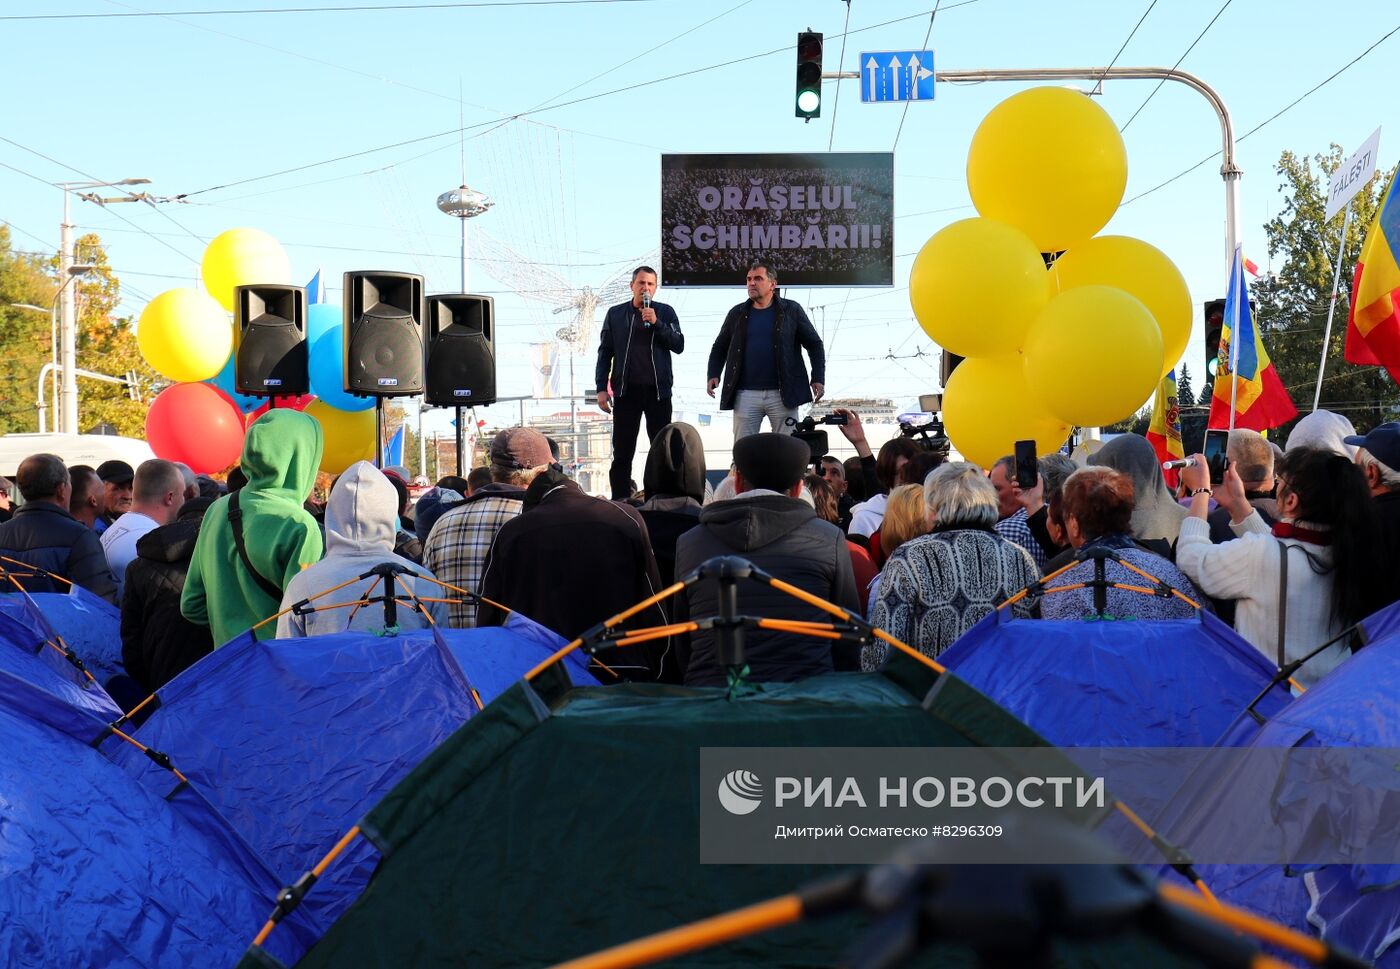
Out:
{"x": 107, "y": 344}
{"x": 1292, "y": 303}
{"x": 24, "y": 333}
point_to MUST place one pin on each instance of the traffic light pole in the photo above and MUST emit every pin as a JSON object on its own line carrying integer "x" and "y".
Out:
{"x": 1230, "y": 172}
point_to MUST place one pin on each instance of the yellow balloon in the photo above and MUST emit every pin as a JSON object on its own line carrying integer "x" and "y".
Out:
{"x": 184, "y": 335}
{"x": 1140, "y": 269}
{"x": 1050, "y": 162}
{"x": 976, "y": 286}
{"x": 987, "y": 408}
{"x": 1094, "y": 356}
{"x": 242, "y": 257}
{"x": 349, "y": 435}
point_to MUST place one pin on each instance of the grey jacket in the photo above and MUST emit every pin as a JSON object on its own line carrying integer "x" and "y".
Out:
{"x": 785, "y": 538}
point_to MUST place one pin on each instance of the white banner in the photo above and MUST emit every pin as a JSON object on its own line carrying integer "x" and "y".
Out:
{"x": 545, "y": 371}
{"x": 1351, "y": 174}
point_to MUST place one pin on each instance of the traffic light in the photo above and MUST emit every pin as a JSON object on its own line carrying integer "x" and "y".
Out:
{"x": 809, "y": 75}
{"x": 1215, "y": 319}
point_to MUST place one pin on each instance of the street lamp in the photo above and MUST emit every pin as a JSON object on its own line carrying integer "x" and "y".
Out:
{"x": 67, "y": 304}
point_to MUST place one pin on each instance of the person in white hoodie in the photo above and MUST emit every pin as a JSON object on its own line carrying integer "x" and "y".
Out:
{"x": 361, "y": 522}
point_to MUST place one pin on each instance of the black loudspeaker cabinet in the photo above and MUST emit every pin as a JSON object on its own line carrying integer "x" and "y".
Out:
{"x": 270, "y": 333}
{"x": 383, "y": 334}
{"x": 461, "y": 338}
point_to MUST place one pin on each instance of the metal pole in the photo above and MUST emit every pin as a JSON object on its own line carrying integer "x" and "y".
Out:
{"x": 67, "y": 418}
{"x": 1332, "y": 306}
{"x": 1235, "y": 298}
{"x": 463, "y": 220}
{"x": 1229, "y": 171}
{"x": 461, "y": 440}
{"x": 422, "y": 442}
{"x": 379, "y": 432}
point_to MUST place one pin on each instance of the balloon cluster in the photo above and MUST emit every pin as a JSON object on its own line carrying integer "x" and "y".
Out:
{"x": 187, "y": 336}
{"x": 1085, "y": 342}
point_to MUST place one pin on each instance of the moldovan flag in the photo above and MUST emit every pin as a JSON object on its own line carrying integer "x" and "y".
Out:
{"x": 1165, "y": 430}
{"x": 1261, "y": 402}
{"x": 1373, "y": 322}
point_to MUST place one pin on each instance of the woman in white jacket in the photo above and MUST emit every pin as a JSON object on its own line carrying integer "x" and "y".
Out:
{"x": 361, "y": 522}
{"x": 1326, "y": 534}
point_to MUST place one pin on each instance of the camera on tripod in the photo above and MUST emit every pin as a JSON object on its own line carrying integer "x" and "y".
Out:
{"x": 806, "y": 430}
{"x": 925, "y": 430}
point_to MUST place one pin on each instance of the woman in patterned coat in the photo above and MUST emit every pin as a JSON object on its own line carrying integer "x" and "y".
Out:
{"x": 936, "y": 587}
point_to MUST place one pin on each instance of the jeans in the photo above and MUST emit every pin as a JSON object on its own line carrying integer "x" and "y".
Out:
{"x": 751, "y": 406}
{"x": 627, "y": 419}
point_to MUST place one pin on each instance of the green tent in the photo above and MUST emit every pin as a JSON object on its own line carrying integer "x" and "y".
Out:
{"x": 561, "y": 821}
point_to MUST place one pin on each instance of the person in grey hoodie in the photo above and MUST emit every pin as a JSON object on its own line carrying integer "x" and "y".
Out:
{"x": 768, "y": 524}
{"x": 361, "y": 521}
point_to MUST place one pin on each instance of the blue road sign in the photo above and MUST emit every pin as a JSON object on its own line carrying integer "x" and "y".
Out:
{"x": 892, "y": 76}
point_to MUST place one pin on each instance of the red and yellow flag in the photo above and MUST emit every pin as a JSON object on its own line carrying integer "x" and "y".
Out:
{"x": 1260, "y": 399}
{"x": 1165, "y": 429}
{"x": 1373, "y": 322}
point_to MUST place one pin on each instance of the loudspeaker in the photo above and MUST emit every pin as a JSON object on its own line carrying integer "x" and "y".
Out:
{"x": 383, "y": 332}
{"x": 270, "y": 341}
{"x": 461, "y": 351}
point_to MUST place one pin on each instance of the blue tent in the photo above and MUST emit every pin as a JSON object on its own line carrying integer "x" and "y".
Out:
{"x": 1114, "y": 683}
{"x": 294, "y": 740}
{"x": 30, "y": 650}
{"x": 102, "y": 868}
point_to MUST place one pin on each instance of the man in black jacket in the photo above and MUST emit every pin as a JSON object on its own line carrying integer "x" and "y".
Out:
{"x": 780, "y": 533}
{"x": 569, "y": 562}
{"x": 759, "y": 348}
{"x": 635, "y": 348}
{"x": 44, "y": 535}
{"x": 158, "y": 642}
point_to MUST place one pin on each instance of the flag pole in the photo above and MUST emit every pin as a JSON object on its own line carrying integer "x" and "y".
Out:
{"x": 1332, "y": 306}
{"x": 1236, "y": 280}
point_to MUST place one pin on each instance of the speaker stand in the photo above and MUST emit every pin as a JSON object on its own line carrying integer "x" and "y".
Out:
{"x": 461, "y": 440}
{"x": 379, "y": 433}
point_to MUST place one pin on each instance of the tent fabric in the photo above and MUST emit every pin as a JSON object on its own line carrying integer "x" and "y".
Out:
{"x": 1159, "y": 683}
{"x": 559, "y": 821}
{"x": 24, "y": 653}
{"x": 293, "y": 740}
{"x": 146, "y": 877}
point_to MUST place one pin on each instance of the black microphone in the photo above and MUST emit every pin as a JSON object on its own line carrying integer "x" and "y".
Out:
{"x": 646, "y": 305}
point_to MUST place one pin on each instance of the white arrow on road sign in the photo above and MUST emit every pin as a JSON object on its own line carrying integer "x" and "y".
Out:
{"x": 872, "y": 67}
{"x": 893, "y": 67}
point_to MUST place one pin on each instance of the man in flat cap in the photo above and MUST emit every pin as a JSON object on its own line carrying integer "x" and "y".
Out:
{"x": 455, "y": 549}
{"x": 118, "y": 479}
{"x": 770, "y": 526}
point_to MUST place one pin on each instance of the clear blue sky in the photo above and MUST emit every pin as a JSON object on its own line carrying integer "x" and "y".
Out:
{"x": 193, "y": 102}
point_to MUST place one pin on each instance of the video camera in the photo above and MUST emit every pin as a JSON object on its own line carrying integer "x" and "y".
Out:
{"x": 806, "y": 430}
{"x": 926, "y": 430}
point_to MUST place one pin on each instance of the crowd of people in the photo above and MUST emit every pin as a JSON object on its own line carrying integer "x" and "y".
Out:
{"x": 1292, "y": 546}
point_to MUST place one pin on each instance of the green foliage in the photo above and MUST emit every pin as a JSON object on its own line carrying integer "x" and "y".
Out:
{"x": 1292, "y": 303}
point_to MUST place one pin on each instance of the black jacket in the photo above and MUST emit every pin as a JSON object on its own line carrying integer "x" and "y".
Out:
{"x": 158, "y": 643}
{"x": 616, "y": 342}
{"x": 44, "y": 535}
{"x": 784, "y": 537}
{"x": 792, "y": 331}
{"x": 571, "y": 562}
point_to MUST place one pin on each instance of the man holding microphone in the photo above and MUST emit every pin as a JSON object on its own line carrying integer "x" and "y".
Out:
{"x": 635, "y": 348}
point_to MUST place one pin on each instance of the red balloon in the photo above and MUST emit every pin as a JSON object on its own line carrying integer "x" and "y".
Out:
{"x": 298, "y": 403}
{"x": 198, "y": 424}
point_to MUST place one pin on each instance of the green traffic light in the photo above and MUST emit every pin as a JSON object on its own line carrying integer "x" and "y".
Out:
{"x": 809, "y": 101}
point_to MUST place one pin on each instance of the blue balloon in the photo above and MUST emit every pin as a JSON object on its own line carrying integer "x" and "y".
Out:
{"x": 327, "y": 367}
{"x": 224, "y": 381}
{"x": 321, "y": 318}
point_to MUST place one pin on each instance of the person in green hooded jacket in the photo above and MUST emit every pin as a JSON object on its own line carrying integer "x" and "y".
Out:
{"x": 230, "y": 589}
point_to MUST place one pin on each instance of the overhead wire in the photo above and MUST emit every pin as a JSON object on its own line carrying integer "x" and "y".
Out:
{"x": 840, "y": 65}
{"x": 1188, "y": 50}
{"x": 1126, "y": 41}
{"x": 1277, "y": 114}
{"x": 344, "y": 8}
{"x": 933, "y": 14}
{"x": 563, "y": 104}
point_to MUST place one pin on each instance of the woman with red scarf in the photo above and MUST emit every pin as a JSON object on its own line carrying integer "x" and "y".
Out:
{"x": 1301, "y": 582}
